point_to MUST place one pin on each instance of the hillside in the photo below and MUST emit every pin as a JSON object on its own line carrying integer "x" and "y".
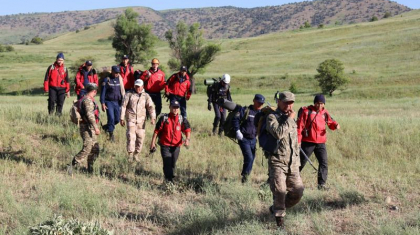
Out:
{"x": 219, "y": 22}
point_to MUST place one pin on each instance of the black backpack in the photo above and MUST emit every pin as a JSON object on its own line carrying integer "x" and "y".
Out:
{"x": 228, "y": 129}
{"x": 266, "y": 141}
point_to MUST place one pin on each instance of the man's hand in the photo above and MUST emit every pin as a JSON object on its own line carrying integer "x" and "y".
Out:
{"x": 187, "y": 142}
{"x": 239, "y": 135}
{"x": 68, "y": 94}
{"x": 338, "y": 127}
{"x": 209, "y": 107}
{"x": 167, "y": 94}
{"x": 153, "y": 121}
{"x": 291, "y": 113}
{"x": 104, "y": 107}
{"x": 152, "y": 146}
{"x": 122, "y": 122}
{"x": 97, "y": 132}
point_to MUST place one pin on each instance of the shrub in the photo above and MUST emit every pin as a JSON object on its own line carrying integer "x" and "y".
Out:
{"x": 293, "y": 87}
{"x": 37, "y": 40}
{"x": 374, "y": 18}
{"x": 60, "y": 226}
{"x": 331, "y": 76}
{"x": 387, "y": 14}
{"x": 77, "y": 31}
{"x": 307, "y": 25}
{"x": 87, "y": 27}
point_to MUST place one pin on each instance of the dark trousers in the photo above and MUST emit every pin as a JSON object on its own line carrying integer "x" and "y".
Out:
{"x": 219, "y": 117}
{"x": 248, "y": 147}
{"x": 320, "y": 151}
{"x": 113, "y": 114}
{"x": 56, "y": 97}
{"x": 169, "y": 157}
{"x": 157, "y": 100}
{"x": 182, "y": 104}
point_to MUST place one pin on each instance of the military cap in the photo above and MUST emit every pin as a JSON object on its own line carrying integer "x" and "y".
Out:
{"x": 91, "y": 86}
{"x": 115, "y": 69}
{"x": 286, "y": 96}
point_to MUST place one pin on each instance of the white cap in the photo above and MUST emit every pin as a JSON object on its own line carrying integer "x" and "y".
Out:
{"x": 138, "y": 82}
{"x": 226, "y": 78}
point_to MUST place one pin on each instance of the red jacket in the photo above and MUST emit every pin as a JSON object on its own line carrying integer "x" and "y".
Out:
{"x": 315, "y": 124}
{"x": 155, "y": 83}
{"x": 56, "y": 76}
{"x": 92, "y": 76}
{"x": 169, "y": 129}
{"x": 127, "y": 74}
{"x": 175, "y": 87}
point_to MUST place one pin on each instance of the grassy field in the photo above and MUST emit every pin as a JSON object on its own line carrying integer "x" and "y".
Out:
{"x": 372, "y": 158}
{"x": 374, "y": 165}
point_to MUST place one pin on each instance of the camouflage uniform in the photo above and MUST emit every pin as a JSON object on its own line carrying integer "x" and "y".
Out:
{"x": 133, "y": 111}
{"x": 285, "y": 182}
{"x": 87, "y": 131}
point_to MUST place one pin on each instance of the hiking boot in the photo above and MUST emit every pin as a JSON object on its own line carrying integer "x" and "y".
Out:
{"x": 280, "y": 222}
{"x": 130, "y": 157}
{"x": 136, "y": 156}
{"x": 111, "y": 137}
{"x": 213, "y": 133}
{"x": 220, "y": 132}
{"x": 90, "y": 168}
{"x": 244, "y": 178}
{"x": 322, "y": 187}
{"x": 271, "y": 209}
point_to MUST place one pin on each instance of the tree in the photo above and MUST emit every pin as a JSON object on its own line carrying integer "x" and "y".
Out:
{"x": 331, "y": 76}
{"x": 37, "y": 40}
{"x": 189, "y": 49}
{"x": 132, "y": 39}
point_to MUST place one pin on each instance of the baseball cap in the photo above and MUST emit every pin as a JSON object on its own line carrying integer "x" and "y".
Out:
{"x": 319, "y": 98}
{"x": 138, "y": 82}
{"x": 259, "y": 98}
{"x": 183, "y": 68}
{"x": 286, "y": 96}
{"x": 91, "y": 86}
{"x": 60, "y": 55}
{"x": 124, "y": 57}
{"x": 174, "y": 103}
{"x": 115, "y": 69}
{"x": 88, "y": 63}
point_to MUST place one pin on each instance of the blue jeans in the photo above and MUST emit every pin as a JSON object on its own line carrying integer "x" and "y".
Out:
{"x": 113, "y": 114}
{"x": 248, "y": 147}
{"x": 182, "y": 104}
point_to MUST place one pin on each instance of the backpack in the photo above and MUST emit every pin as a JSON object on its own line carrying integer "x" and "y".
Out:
{"x": 75, "y": 115}
{"x": 228, "y": 129}
{"x": 266, "y": 141}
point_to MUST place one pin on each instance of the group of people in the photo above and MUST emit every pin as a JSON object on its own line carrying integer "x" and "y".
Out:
{"x": 132, "y": 97}
{"x": 297, "y": 137}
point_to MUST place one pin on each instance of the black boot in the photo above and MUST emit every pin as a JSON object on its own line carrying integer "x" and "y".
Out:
{"x": 280, "y": 222}
{"x": 90, "y": 168}
{"x": 220, "y": 132}
{"x": 111, "y": 137}
{"x": 214, "y": 130}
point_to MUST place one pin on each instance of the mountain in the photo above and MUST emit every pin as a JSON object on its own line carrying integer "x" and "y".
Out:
{"x": 217, "y": 22}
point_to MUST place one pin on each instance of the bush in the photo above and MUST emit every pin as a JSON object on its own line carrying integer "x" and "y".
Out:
{"x": 307, "y": 25}
{"x": 321, "y": 26}
{"x": 77, "y": 31}
{"x": 293, "y": 88}
{"x": 387, "y": 14}
{"x": 374, "y": 18}
{"x": 60, "y": 226}
{"x": 37, "y": 40}
{"x": 331, "y": 76}
{"x": 87, "y": 27}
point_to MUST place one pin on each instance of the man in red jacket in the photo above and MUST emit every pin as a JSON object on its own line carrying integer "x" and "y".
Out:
{"x": 178, "y": 87}
{"x": 56, "y": 83}
{"x": 127, "y": 73}
{"x": 312, "y": 135}
{"x": 154, "y": 82}
{"x": 84, "y": 76}
{"x": 169, "y": 129}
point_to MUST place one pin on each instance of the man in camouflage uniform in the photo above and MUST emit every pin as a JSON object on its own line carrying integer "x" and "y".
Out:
{"x": 88, "y": 129}
{"x": 133, "y": 110}
{"x": 285, "y": 182}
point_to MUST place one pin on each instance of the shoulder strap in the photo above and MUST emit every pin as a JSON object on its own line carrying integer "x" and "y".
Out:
{"x": 246, "y": 114}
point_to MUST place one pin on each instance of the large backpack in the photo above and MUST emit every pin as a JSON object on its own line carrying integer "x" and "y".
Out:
{"x": 228, "y": 129}
{"x": 75, "y": 115}
{"x": 266, "y": 141}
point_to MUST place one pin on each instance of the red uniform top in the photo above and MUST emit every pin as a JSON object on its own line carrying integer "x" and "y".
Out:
{"x": 314, "y": 122}
{"x": 127, "y": 74}
{"x": 56, "y": 76}
{"x": 169, "y": 129}
{"x": 178, "y": 85}
{"x": 155, "y": 83}
{"x": 80, "y": 79}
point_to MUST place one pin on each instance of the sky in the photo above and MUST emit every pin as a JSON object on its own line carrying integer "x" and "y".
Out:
{"x": 30, "y": 6}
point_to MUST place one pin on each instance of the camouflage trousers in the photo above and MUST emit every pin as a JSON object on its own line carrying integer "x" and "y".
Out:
{"x": 90, "y": 148}
{"x": 135, "y": 138}
{"x": 285, "y": 184}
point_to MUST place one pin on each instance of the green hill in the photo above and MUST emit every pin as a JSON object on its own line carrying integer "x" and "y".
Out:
{"x": 217, "y": 22}
{"x": 379, "y": 57}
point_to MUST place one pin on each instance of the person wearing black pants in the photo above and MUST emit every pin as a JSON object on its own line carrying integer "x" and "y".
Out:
{"x": 217, "y": 91}
{"x": 56, "y": 83}
{"x": 312, "y": 134}
{"x": 169, "y": 129}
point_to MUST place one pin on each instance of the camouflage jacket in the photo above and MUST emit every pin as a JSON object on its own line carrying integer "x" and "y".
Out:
{"x": 135, "y": 105}
{"x": 284, "y": 129}
{"x": 89, "y": 109}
